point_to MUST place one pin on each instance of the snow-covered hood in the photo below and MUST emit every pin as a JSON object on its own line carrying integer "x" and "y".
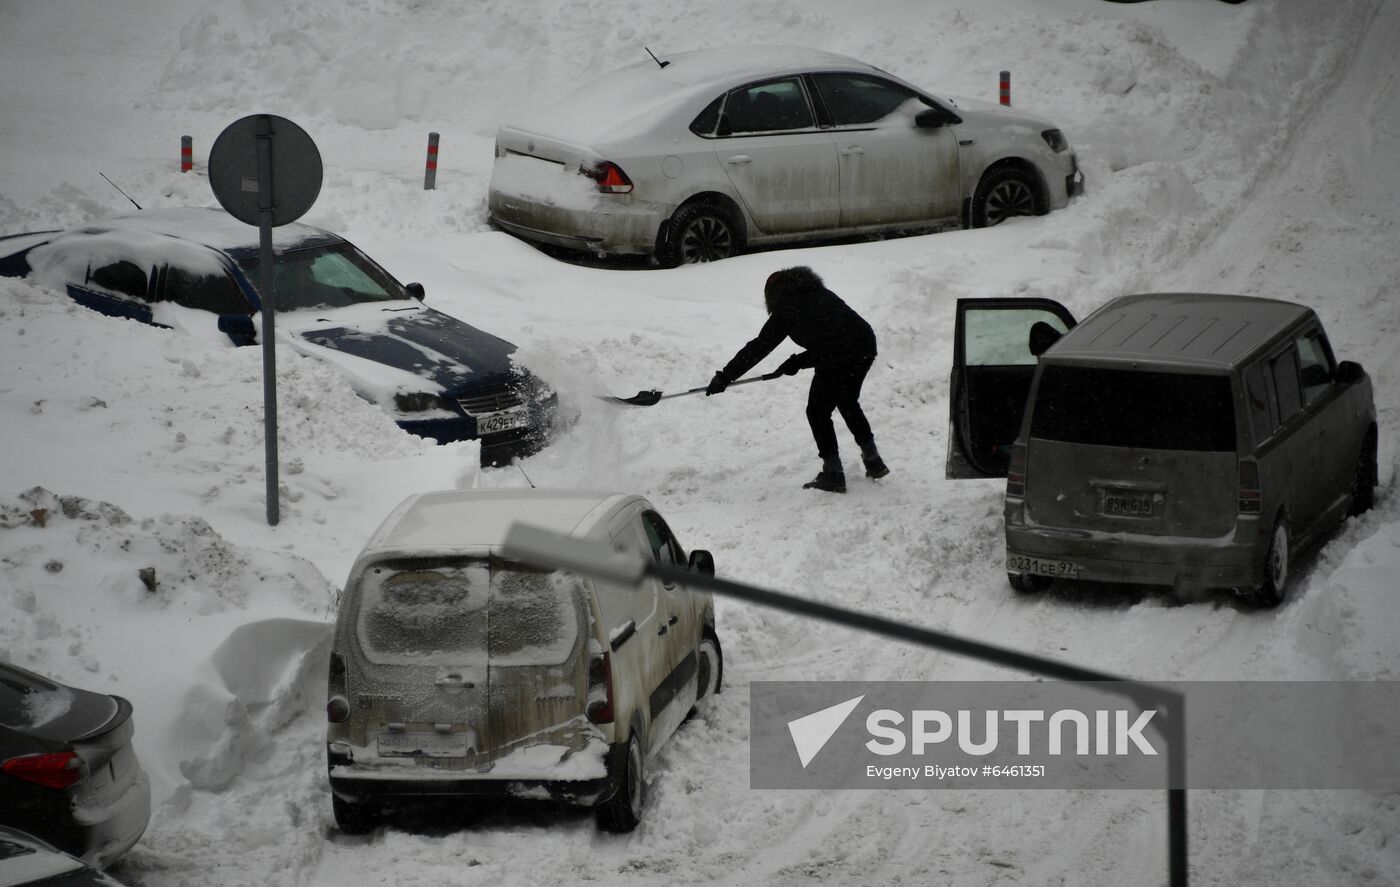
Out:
{"x": 399, "y": 337}
{"x": 979, "y": 111}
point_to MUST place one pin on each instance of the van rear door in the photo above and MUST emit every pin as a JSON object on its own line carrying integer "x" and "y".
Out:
{"x": 993, "y": 365}
{"x": 476, "y": 664}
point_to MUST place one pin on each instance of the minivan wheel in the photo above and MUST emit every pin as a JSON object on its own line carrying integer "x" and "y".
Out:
{"x": 1363, "y": 489}
{"x": 699, "y": 232}
{"x": 1003, "y": 193}
{"x": 711, "y": 669}
{"x": 623, "y": 811}
{"x": 1269, "y": 593}
{"x": 352, "y": 818}
{"x": 1028, "y": 583}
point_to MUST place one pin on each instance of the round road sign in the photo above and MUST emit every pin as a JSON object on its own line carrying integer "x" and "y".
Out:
{"x": 293, "y": 170}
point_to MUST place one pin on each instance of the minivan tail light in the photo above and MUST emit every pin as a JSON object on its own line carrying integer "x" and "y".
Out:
{"x": 52, "y": 769}
{"x": 600, "y": 709}
{"x": 1251, "y": 499}
{"x": 1016, "y": 472}
{"x": 609, "y": 176}
{"x": 337, "y": 710}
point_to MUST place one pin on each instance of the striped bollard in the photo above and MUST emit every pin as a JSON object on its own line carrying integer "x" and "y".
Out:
{"x": 186, "y": 153}
{"x": 1006, "y": 87}
{"x": 430, "y": 176}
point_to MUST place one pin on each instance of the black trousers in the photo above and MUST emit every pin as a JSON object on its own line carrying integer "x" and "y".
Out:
{"x": 838, "y": 388}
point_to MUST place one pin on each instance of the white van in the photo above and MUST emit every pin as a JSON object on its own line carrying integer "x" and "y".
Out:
{"x": 459, "y": 674}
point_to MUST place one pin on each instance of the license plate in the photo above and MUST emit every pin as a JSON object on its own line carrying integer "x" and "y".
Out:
{"x": 423, "y": 745}
{"x": 1019, "y": 563}
{"x": 493, "y": 423}
{"x": 1128, "y": 503}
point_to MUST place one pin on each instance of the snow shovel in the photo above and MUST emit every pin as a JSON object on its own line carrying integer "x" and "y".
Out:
{"x": 653, "y": 397}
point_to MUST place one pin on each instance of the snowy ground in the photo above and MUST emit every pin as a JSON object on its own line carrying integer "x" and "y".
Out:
{"x": 1245, "y": 148}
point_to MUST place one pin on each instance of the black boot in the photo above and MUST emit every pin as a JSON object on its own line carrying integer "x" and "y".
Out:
{"x": 828, "y": 482}
{"x": 874, "y": 465}
{"x": 831, "y": 479}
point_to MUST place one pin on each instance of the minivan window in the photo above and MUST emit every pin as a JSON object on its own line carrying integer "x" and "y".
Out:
{"x": 1286, "y": 389}
{"x": 998, "y": 336}
{"x": 535, "y": 617}
{"x": 417, "y": 615}
{"x": 1314, "y": 365}
{"x": 1256, "y": 395}
{"x": 1134, "y": 408}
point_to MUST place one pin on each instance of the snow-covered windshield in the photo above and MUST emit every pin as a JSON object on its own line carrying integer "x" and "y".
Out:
{"x": 326, "y": 276}
{"x": 450, "y": 613}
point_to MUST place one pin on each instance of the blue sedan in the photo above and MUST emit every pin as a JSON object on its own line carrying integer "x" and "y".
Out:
{"x": 196, "y": 270}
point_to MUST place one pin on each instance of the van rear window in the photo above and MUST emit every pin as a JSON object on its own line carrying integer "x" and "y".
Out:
{"x": 1134, "y": 408}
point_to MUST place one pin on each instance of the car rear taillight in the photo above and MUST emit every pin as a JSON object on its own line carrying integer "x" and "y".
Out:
{"x": 53, "y": 770}
{"x": 600, "y": 691}
{"x": 1016, "y": 472}
{"x": 1250, "y": 497}
{"x": 337, "y": 710}
{"x": 609, "y": 176}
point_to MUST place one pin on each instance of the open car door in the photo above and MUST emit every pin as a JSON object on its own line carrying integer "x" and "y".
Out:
{"x": 996, "y": 345}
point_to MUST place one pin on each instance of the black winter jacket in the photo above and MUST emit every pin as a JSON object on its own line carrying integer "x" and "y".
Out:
{"x": 816, "y": 319}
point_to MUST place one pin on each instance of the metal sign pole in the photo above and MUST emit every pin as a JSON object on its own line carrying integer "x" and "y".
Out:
{"x": 267, "y": 284}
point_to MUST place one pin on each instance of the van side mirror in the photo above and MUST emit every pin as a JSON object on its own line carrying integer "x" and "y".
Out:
{"x": 416, "y": 291}
{"x": 702, "y": 562}
{"x": 1042, "y": 336}
{"x": 1349, "y": 372}
{"x": 239, "y": 328}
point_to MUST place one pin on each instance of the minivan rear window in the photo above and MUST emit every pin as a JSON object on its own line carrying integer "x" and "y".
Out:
{"x": 450, "y": 613}
{"x": 1134, "y": 408}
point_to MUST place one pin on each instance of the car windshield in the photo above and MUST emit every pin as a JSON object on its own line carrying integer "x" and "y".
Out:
{"x": 328, "y": 276}
{"x": 1134, "y": 408}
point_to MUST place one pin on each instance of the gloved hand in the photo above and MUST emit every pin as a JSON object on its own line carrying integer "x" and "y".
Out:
{"x": 790, "y": 366}
{"x": 717, "y": 384}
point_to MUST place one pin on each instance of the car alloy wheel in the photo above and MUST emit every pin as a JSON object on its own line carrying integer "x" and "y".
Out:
{"x": 1004, "y": 193}
{"x": 701, "y": 233}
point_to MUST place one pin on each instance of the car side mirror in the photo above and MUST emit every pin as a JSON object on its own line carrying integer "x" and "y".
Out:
{"x": 932, "y": 118}
{"x": 239, "y": 328}
{"x": 1042, "y": 336}
{"x": 702, "y": 562}
{"x": 416, "y": 291}
{"x": 1349, "y": 372}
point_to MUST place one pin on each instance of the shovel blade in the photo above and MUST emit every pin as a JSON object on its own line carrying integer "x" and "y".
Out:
{"x": 640, "y": 399}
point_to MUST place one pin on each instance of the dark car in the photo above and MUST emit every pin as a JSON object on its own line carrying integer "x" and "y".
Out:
{"x": 196, "y": 270}
{"x": 26, "y": 860}
{"x": 1179, "y": 439}
{"x": 68, "y": 771}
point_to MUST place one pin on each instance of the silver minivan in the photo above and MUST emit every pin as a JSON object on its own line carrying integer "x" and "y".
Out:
{"x": 459, "y": 674}
{"x": 1180, "y": 439}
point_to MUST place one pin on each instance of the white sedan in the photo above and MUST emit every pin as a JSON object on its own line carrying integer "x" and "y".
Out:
{"x": 696, "y": 157}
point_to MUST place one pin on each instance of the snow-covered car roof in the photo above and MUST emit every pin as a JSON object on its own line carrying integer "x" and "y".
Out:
{"x": 458, "y": 520}
{"x": 639, "y": 92}
{"x": 209, "y": 226}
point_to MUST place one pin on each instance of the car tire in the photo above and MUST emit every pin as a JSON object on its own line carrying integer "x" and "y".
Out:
{"x": 1270, "y": 591}
{"x": 1027, "y": 583}
{"x": 352, "y": 818}
{"x": 1005, "y": 192}
{"x": 623, "y": 811}
{"x": 699, "y": 232}
{"x": 1363, "y": 489}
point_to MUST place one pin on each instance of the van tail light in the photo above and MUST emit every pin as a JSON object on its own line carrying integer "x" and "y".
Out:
{"x": 1250, "y": 499}
{"x": 600, "y": 690}
{"x": 337, "y": 710}
{"x": 52, "y": 769}
{"x": 1016, "y": 472}
{"x": 609, "y": 176}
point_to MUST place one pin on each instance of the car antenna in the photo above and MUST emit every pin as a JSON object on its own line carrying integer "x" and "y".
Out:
{"x": 658, "y": 61}
{"x": 526, "y": 476}
{"x": 119, "y": 190}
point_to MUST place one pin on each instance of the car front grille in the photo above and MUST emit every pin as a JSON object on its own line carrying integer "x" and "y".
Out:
{"x": 490, "y": 402}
